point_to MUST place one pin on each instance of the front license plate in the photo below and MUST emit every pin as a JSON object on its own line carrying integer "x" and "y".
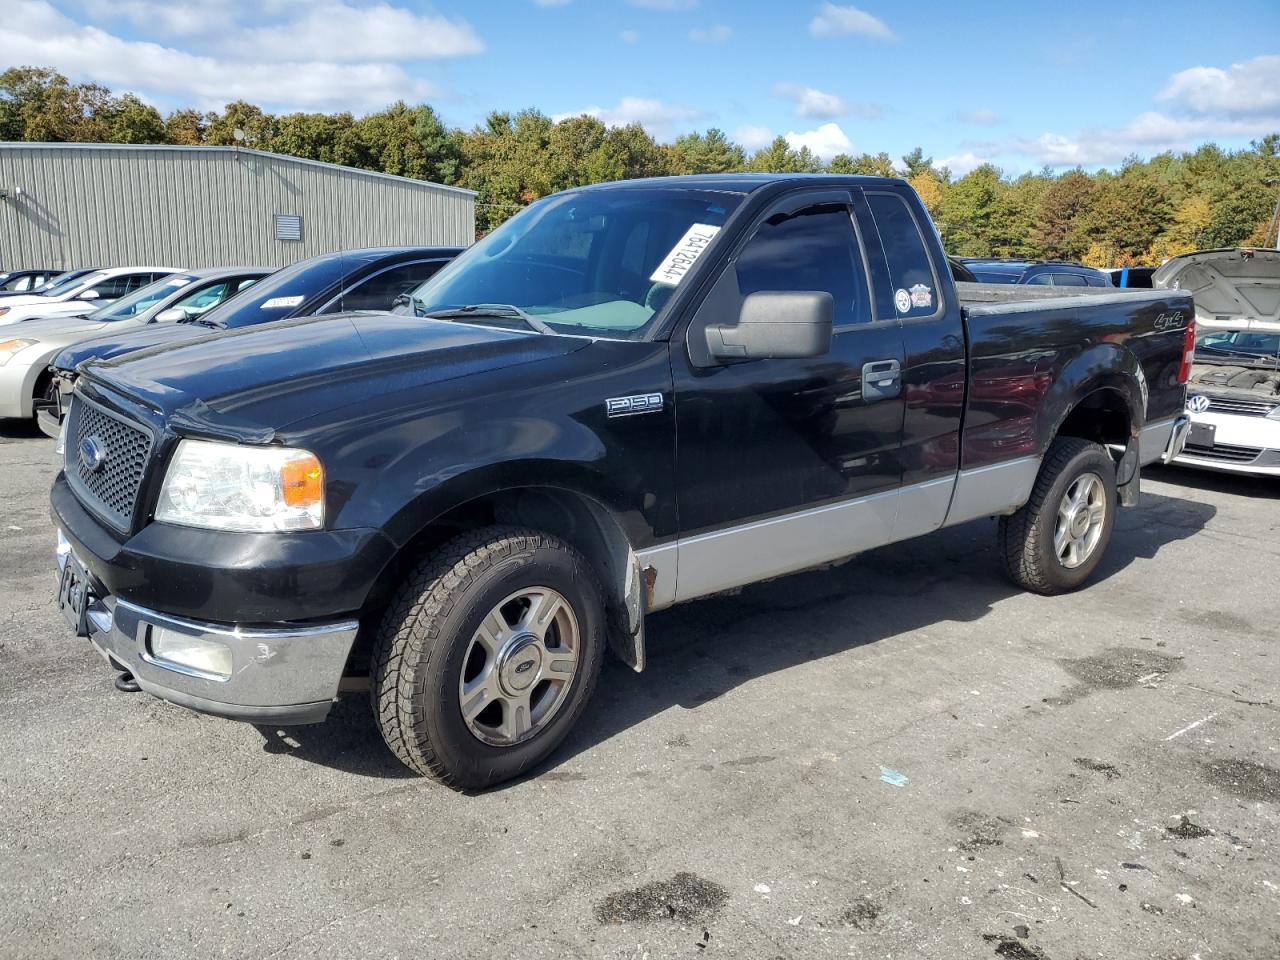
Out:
{"x": 1201, "y": 435}
{"x": 73, "y": 595}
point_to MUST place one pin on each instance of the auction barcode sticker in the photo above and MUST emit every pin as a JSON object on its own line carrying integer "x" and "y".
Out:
{"x": 277, "y": 302}
{"x": 684, "y": 254}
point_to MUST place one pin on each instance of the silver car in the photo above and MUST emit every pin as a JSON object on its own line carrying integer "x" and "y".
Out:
{"x": 28, "y": 348}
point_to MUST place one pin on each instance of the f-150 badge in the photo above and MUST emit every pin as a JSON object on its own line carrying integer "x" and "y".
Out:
{"x": 628, "y": 406}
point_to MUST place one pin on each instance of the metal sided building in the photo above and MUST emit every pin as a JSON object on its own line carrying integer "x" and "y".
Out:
{"x": 68, "y": 205}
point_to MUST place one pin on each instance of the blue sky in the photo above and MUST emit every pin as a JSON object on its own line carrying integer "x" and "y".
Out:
{"x": 1019, "y": 84}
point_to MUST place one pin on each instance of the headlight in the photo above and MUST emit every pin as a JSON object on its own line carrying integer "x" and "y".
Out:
{"x": 231, "y": 486}
{"x": 3, "y": 311}
{"x": 1274, "y": 414}
{"x": 9, "y": 347}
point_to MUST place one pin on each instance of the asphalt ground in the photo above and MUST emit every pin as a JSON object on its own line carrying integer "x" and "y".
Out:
{"x": 901, "y": 756}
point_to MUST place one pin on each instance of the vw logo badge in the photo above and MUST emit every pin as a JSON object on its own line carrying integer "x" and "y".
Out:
{"x": 1197, "y": 403}
{"x": 92, "y": 456}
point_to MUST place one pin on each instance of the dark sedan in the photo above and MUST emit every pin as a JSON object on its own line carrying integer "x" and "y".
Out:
{"x": 369, "y": 279}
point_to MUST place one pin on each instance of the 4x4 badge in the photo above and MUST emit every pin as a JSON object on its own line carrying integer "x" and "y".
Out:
{"x": 627, "y": 406}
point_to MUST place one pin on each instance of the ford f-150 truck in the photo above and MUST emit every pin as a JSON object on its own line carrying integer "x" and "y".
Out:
{"x": 628, "y": 396}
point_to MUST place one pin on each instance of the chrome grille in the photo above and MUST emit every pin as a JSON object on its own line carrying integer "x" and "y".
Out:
{"x": 1241, "y": 406}
{"x": 1226, "y": 452}
{"x": 110, "y": 489}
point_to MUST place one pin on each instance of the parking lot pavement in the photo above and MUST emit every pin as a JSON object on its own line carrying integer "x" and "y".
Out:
{"x": 898, "y": 757}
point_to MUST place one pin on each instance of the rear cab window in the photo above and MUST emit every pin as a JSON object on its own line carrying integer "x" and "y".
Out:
{"x": 913, "y": 288}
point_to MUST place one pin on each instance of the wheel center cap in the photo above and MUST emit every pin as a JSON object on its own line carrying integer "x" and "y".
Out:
{"x": 520, "y": 664}
{"x": 1080, "y": 523}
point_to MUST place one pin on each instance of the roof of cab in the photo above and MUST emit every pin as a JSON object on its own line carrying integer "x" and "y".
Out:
{"x": 743, "y": 183}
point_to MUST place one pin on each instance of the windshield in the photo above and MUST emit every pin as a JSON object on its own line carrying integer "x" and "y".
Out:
{"x": 279, "y": 296}
{"x": 1244, "y": 347}
{"x": 66, "y": 282}
{"x": 991, "y": 276}
{"x": 142, "y": 300}
{"x": 599, "y": 262}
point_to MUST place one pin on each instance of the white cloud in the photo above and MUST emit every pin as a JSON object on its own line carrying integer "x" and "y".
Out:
{"x": 824, "y": 142}
{"x": 343, "y": 33}
{"x": 1246, "y": 89}
{"x": 837, "y": 21}
{"x": 660, "y": 119}
{"x": 717, "y": 34}
{"x": 169, "y": 19}
{"x": 982, "y": 117}
{"x": 824, "y": 106}
{"x": 667, "y": 5}
{"x": 37, "y": 33}
{"x": 629, "y": 36}
{"x": 752, "y": 137}
{"x": 961, "y": 163}
{"x": 810, "y": 102}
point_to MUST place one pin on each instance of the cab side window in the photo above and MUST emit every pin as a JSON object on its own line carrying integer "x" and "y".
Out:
{"x": 810, "y": 249}
{"x": 910, "y": 269}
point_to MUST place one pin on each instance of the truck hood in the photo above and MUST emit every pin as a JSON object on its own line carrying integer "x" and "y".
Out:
{"x": 1231, "y": 284}
{"x": 128, "y": 338}
{"x": 247, "y": 383}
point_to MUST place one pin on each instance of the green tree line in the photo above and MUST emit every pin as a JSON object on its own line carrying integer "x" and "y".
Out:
{"x": 1141, "y": 213}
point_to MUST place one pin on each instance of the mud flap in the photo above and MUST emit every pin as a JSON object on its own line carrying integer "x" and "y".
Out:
{"x": 1129, "y": 475}
{"x": 626, "y": 639}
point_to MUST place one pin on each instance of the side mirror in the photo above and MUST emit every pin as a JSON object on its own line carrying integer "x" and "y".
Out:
{"x": 89, "y": 295}
{"x": 776, "y": 326}
{"x": 172, "y": 315}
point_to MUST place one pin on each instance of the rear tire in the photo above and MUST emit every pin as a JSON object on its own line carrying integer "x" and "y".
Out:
{"x": 487, "y": 656}
{"x": 1057, "y": 539}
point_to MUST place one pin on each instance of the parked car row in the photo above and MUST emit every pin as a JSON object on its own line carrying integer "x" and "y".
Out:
{"x": 103, "y": 314}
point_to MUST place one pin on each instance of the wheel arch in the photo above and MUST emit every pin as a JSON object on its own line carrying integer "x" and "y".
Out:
{"x": 582, "y": 519}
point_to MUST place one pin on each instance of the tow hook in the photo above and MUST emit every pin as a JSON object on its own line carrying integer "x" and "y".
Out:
{"x": 126, "y": 684}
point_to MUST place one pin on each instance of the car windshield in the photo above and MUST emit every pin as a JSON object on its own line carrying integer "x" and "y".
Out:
{"x": 597, "y": 262}
{"x": 142, "y": 300}
{"x": 67, "y": 281}
{"x": 279, "y": 296}
{"x": 992, "y": 276}
{"x": 1246, "y": 347}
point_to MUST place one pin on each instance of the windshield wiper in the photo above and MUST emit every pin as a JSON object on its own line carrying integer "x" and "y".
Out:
{"x": 211, "y": 324}
{"x": 480, "y": 310}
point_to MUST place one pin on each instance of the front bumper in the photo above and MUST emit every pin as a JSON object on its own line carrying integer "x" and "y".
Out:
{"x": 286, "y": 674}
{"x": 18, "y": 382}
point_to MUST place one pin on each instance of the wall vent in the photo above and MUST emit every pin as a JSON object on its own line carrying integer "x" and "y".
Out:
{"x": 288, "y": 227}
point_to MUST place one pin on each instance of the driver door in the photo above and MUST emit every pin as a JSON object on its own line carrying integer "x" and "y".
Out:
{"x": 784, "y": 464}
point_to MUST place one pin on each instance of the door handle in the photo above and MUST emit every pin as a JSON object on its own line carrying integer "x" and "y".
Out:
{"x": 881, "y": 380}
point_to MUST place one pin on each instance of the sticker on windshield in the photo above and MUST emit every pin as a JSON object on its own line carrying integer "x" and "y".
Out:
{"x": 275, "y": 302}
{"x": 902, "y": 300}
{"x": 921, "y": 296}
{"x": 684, "y": 254}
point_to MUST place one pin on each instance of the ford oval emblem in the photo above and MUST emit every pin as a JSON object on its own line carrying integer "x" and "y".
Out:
{"x": 1198, "y": 403}
{"x": 92, "y": 456}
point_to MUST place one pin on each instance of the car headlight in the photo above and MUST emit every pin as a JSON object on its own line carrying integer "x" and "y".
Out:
{"x": 10, "y": 347}
{"x": 1274, "y": 414}
{"x": 232, "y": 486}
{"x": 3, "y": 311}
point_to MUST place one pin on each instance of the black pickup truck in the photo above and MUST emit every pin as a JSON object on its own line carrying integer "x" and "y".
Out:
{"x": 628, "y": 396}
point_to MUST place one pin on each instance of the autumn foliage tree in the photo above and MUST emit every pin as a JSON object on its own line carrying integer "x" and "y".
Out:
{"x": 1143, "y": 213}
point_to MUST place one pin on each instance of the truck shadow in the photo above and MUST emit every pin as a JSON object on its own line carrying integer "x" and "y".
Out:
{"x": 702, "y": 650}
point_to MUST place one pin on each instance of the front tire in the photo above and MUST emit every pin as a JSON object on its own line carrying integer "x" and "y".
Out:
{"x": 1057, "y": 539}
{"x": 487, "y": 656}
